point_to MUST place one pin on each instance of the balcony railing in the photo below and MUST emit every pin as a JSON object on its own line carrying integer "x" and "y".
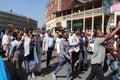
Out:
{"x": 87, "y": 13}
{"x": 78, "y": 15}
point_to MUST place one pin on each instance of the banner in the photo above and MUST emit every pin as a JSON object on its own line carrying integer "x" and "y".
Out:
{"x": 106, "y": 5}
{"x": 115, "y": 7}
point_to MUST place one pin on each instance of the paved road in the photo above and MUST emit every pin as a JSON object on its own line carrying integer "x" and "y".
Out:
{"x": 47, "y": 73}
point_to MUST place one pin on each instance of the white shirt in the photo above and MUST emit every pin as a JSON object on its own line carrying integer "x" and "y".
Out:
{"x": 74, "y": 40}
{"x": 51, "y": 42}
{"x": 5, "y": 39}
{"x": 58, "y": 44}
{"x": 26, "y": 46}
{"x": 15, "y": 43}
{"x": 98, "y": 56}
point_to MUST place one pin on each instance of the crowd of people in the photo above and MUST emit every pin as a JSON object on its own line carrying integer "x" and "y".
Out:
{"x": 28, "y": 45}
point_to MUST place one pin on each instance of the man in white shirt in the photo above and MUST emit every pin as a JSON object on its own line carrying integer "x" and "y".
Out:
{"x": 48, "y": 46}
{"x": 74, "y": 43}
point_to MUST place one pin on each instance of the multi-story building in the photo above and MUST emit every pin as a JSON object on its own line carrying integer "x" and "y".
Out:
{"x": 10, "y": 20}
{"x": 83, "y": 14}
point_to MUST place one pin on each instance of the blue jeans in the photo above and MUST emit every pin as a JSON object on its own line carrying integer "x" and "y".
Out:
{"x": 114, "y": 67}
{"x": 62, "y": 61}
{"x": 49, "y": 55}
{"x": 84, "y": 56}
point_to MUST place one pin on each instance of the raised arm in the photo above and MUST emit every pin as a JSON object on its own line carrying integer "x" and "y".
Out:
{"x": 112, "y": 34}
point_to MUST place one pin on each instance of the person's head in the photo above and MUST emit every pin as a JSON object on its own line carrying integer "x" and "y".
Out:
{"x": 29, "y": 32}
{"x": 22, "y": 32}
{"x": 19, "y": 36}
{"x": 49, "y": 33}
{"x": 37, "y": 35}
{"x": 77, "y": 31}
{"x": 82, "y": 34}
{"x": 98, "y": 33}
{"x": 59, "y": 35}
{"x": 112, "y": 28}
{"x": 7, "y": 32}
{"x": 65, "y": 35}
{"x": 57, "y": 32}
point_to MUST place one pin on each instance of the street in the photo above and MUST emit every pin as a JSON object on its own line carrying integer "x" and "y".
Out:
{"x": 47, "y": 73}
{"x": 30, "y": 29}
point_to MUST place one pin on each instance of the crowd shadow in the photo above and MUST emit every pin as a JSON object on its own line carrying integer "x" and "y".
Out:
{"x": 46, "y": 71}
{"x": 75, "y": 75}
{"x": 44, "y": 60}
{"x": 108, "y": 77}
{"x": 61, "y": 76}
{"x": 14, "y": 74}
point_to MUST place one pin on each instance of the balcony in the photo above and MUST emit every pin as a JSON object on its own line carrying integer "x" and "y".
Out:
{"x": 78, "y": 15}
{"x": 84, "y": 14}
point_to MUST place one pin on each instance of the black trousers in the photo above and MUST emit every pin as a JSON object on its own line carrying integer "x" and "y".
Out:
{"x": 96, "y": 71}
{"x": 75, "y": 57}
{"x": 49, "y": 54}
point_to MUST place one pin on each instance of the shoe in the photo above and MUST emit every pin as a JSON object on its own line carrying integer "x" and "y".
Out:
{"x": 54, "y": 76}
{"x": 33, "y": 76}
{"x": 68, "y": 79}
{"x": 48, "y": 67}
{"x": 29, "y": 76}
{"x": 76, "y": 69}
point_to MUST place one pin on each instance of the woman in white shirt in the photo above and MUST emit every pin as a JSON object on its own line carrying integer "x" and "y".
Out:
{"x": 38, "y": 43}
{"x": 29, "y": 54}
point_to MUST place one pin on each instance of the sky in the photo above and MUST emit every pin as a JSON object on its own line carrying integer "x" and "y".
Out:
{"x": 34, "y": 9}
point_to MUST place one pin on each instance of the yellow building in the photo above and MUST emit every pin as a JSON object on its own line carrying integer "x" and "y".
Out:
{"x": 9, "y": 20}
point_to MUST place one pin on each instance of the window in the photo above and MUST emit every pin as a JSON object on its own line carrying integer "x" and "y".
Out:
{"x": 58, "y": 24}
{"x": 52, "y": 4}
{"x": 52, "y": 16}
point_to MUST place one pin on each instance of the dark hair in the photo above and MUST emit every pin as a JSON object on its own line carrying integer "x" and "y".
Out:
{"x": 83, "y": 33}
{"x": 15, "y": 34}
{"x": 96, "y": 33}
{"x": 76, "y": 29}
{"x": 28, "y": 30}
{"x": 48, "y": 31}
{"x": 60, "y": 35}
{"x": 64, "y": 32}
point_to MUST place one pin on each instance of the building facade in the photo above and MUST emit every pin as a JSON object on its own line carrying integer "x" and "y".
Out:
{"x": 84, "y": 14}
{"x": 9, "y": 20}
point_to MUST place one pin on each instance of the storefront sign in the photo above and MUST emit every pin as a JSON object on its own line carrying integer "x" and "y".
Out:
{"x": 115, "y": 8}
{"x": 77, "y": 24}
